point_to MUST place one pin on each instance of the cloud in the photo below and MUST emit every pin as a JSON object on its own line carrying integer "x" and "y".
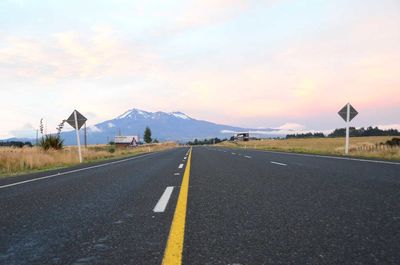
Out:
{"x": 94, "y": 129}
{"x": 390, "y": 126}
{"x": 192, "y": 15}
{"x": 249, "y": 72}
{"x": 291, "y": 126}
{"x": 258, "y": 132}
{"x": 73, "y": 55}
{"x": 25, "y": 131}
{"x": 274, "y": 132}
{"x": 204, "y": 12}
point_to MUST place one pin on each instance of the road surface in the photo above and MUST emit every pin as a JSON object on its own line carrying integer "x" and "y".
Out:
{"x": 205, "y": 206}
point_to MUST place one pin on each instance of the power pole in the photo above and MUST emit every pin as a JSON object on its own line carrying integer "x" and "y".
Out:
{"x": 37, "y": 137}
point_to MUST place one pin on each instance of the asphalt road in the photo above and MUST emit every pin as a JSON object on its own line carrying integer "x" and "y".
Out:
{"x": 215, "y": 206}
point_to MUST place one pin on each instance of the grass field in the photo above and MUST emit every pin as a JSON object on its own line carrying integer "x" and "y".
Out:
{"x": 359, "y": 146}
{"x": 22, "y": 160}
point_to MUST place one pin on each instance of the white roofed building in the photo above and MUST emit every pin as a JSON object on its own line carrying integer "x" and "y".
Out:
{"x": 126, "y": 141}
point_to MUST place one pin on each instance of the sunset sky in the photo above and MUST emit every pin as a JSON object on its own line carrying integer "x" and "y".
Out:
{"x": 261, "y": 64}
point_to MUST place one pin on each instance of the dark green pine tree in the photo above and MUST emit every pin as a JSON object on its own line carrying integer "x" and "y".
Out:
{"x": 147, "y": 135}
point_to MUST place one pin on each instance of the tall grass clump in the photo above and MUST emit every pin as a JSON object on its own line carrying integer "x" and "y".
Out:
{"x": 17, "y": 160}
{"x": 51, "y": 142}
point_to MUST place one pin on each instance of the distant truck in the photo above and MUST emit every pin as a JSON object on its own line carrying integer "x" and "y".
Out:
{"x": 127, "y": 141}
{"x": 242, "y": 137}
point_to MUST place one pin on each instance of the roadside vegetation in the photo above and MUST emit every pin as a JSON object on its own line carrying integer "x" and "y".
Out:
{"x": 381, "y": 147}
{"x": 206, "y": 141}
{"x": 147, "y": 135}
{"x": 353, "y": 132}
{"x": 14, "y": 160}
{"x": 51, "y": 142}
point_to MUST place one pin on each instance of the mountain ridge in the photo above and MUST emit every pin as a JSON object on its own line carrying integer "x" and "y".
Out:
{"x": 165, "y": 126}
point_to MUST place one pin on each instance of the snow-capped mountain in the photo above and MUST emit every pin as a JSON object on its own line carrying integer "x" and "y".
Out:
{"x": 140, "y": 114}
{"x": 176, "y": 126}
{"x": 164, "y": 126}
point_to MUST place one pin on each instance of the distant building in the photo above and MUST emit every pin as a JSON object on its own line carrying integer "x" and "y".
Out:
{"x": 242, "y": 137}
{"x": 127, "y": 141}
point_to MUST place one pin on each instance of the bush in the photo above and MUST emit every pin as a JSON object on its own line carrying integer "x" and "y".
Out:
{"x": 51, "y": 141}
{"x": 111, "y": 149}
{"x": 393, "y": 142}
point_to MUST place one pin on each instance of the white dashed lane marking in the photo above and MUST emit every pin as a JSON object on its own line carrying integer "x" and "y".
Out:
{"x": 162, "y": 203}
{"x": 277, "y": 163}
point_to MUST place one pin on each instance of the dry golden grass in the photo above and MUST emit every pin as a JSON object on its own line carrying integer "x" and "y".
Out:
{"x": 359, "y": 146}
{"x": 18, "y": 160}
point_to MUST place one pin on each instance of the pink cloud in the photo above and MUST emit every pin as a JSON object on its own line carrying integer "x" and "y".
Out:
{"x": 73, "y": 55}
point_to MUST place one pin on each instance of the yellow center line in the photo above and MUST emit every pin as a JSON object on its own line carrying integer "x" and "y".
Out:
{"x": 174, "y": 248}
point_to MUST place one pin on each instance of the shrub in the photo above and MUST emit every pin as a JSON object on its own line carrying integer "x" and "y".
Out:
{"x": 111, "y": 149}
{"x": 393, "y": 142}
{"x": 51, "y": 141}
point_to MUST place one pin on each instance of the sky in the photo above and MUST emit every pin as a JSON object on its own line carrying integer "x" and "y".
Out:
{"x": 290, "y": 64}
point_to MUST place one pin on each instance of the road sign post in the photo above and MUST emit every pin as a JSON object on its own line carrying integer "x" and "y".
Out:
{"x": 347, "y": 113}
{"x": 76, "y": 120}
{"x": 347, "y": 129}
{"x": 77, "y": 137}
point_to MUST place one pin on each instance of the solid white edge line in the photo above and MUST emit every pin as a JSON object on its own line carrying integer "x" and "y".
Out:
{"x": 180, "y": 166}
{"x": 162, "y": 203}
{"x": 277, "y": 163}
{"x": 329, "y": 157}
{"x": 73, "y": 171}
{"x": 332, "y": 157}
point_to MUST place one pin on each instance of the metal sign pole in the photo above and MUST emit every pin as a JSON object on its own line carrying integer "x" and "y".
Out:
{"x": 77, "y": 136}
{"x": 85, "y": 136}
{"x": 347, "y": 129}
{"x": 348, "y": 112}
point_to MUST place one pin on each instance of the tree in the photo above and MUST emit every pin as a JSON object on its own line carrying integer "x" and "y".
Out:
{"x": 205, "y": 141}
{"x": 147, "y": 135}
{"x": 370, "y": 131}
